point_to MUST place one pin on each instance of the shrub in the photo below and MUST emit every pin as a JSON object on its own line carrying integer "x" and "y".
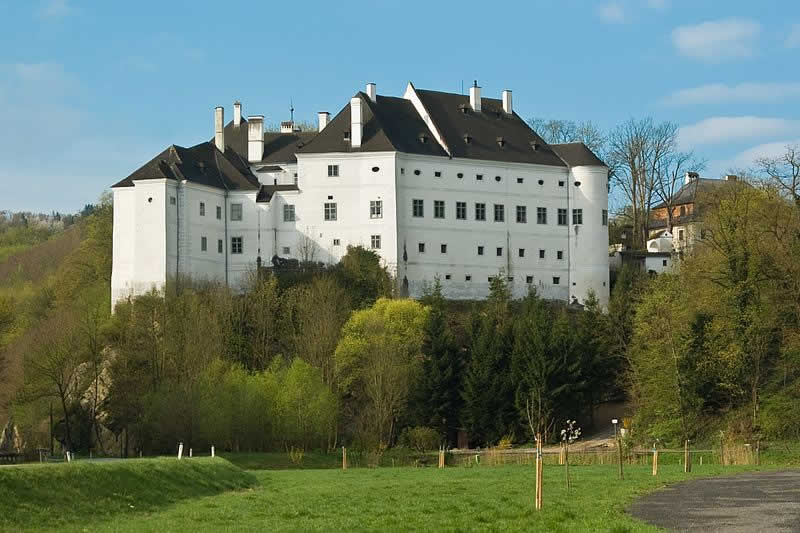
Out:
{"x": 421, "y": 438}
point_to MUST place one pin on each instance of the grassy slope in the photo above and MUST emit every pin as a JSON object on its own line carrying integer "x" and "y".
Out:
{"x": 54, "y": 495}
{"x": 455, "y": 499}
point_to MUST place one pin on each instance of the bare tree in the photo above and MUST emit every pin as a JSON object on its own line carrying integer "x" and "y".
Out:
{"x": 556, "y": 131}
{"x": 670, "y": 178}
{"x": 637, "y": 152}
{"x": 783, "y": 171}
{"x": 307, "y": 247}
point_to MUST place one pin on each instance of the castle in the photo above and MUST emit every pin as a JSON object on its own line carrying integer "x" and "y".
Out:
{"x": 443, "y": 185}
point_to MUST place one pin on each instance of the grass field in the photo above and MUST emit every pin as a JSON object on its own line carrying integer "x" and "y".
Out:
{"x": 385, "y": 499}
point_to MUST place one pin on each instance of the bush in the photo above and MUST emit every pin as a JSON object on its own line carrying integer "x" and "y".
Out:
{"x": 421, "y": 438}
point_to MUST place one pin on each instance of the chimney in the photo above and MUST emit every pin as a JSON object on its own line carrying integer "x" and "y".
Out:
{"x": 356, "y": 122}
{"x": 731, "y": 177}
{"x": 324, "y": 118}
{"x": 237, "y": 113}
{"x": 475, "y": 97}
{"x": 690, "y": 177}
{"x": 255, "y": 138}
{"x": 219, "y": 128}
{"x": 507, "y": 107}
{"x": 372, "y": 91}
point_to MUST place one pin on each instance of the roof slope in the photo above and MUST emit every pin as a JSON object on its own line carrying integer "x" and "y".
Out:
{"x": 577, "y": 154}
{"x": 455, "y": 119}
{"x": 278, "y": 147}
{"x": 688, "y": 192}
{"x": 202, "y": 164}
{"x": 390, "y": 124}
{"x": 267, "y": 191}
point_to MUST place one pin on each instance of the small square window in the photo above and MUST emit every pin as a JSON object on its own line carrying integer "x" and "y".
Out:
{"x": 333, "y": 171}
{"x": 447, "y": 276}
{"x": 236, "y": 212}
{"x": 560, "y": 254}
{"x": 219, "y": 213}
{"x": 528, "y": 279}
{"x": 444, "y": 248}
{"x": 336, "y": 242}
{"x": 219, "y": 246}
{"x": 520, "y": 180}
{"x": 236, "y": 245}
{"x": 202, "y": 209}
{"x": 437, "y": 174}
{"x": 480, "y": 250}
{"x": 172, "y": 200}
{"x": 497, "y": 179}
{"x": 203, "y": 244}
{"x": 664, "y": 262}
{"x": 402, "y": 171}
{"x": 479, "y": 177}
{"x": 605, "y": 217}
{"x": 375, "y": 242}
{"x": 541, "y": 254}
{"x": 467, "y": 278}
{"x": 421, "y": 247}
{"x": 556, "y": 280}
{"x": 522, "y": 252}
{"x": 560, "y": 183}
{"x": 499, "y": 251}
{"x": 286, "y": 250}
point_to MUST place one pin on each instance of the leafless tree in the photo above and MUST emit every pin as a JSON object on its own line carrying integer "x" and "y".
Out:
{"x": 307, "y": 247}
{"x": 670, "y": 178}
{"x": 783, "y": 171}
{"x": 637, "y": 152}
{"x": 555, "y": 131}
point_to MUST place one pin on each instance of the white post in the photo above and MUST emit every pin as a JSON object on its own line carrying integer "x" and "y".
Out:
{"x": 180, "y": 450}
{"x": 212, "y": 450}
{"x": 190, "y": 453}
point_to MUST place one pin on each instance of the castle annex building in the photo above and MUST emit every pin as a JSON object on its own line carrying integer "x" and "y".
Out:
{"x": 438, "y": 184}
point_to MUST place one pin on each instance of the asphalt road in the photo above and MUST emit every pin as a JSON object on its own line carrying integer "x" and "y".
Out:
{"x": 768, "y": 501}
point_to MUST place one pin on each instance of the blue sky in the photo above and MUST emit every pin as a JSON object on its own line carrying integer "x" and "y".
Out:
{"x": 90, "y": 90}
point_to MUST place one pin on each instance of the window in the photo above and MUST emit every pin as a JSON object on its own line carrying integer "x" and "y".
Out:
{"x": 461, "y": 210}
{"x": 336, "y": 242}
{"x": 497, "y": 178}
{"x": 287, "y": 250}
{"x": 577, "y": 216}
{"x": 467, "y": 278}
{"x": 560, "y": 254}
{"x": 375, "y": 242}
{"x": 376, "y": 209}
{"x": 683, "y": 210}
{"x": 528, "y": 279}
{"x": 172, "y": 200}
{"x": 541, "y": 253}
{"x": 236, "y": 211}
{"x": 219, "y": 246}
{"x": 402, "y": 171}
{"x": 480, "y": 211}
{"x": 417, "y": 172}
{"x": 219, "y": 213}
{"x": 202, "y": 209}
{"x": 421, "y": 247}
{"x": 522, "y": 252}
{"x": 444, "y": 248}
{"x": 541, "y": 215}
{"x": 330, "y": 210}
{"x": 499, "y": 251}
{"x": 288, "y": 212}
{"x": 480, "y": 250}
{"x": 562, "y": 217}
{"x": 605, "y": 217}
{"x": 438, "y": 209}
{"x": 447, "y": 276}
{"x": 333, "y": 171}
{"x": 520, "y": 180}
{"x": 560, "y": 183}
{"x": 680, "y": 235}
{"x": 663, "y": 262}
{"x": 556, "y": 280}
{"x": 203, "y": 244}
{"x": 437, "y": 174}
{"x": 460, "y": 175}
{"x": 479, "y": 177}
{"x": 499, "y": 213}
{"x": 236, "y": 245}
{"x": 522, "y": 214}
{"x": 418, "y": 208}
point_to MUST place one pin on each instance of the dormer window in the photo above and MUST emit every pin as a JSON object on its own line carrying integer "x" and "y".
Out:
{"x": 535, "y": 146}
{"x": 501, "y": 142}
{"x": 423, "y": 138}
{"x": 467, "y": 138}
{"x": 347, "y": 135}
{"x": 464, "y": 108}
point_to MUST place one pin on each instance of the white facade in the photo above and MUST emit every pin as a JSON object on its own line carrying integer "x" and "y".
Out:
{"x": 156, "y": 237}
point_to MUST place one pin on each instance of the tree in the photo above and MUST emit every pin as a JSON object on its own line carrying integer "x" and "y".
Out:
{"x": 437, "y": 396}
{"x": 638, "y": 152}
{"x": 670, "y": 177}
{"x": 378, "y": 360}
{"x": 555, "y": 131}
{"x": 363, "y": 276}
{"x": 783, "y": 171}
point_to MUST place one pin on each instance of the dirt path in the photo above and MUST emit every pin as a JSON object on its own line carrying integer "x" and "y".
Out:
{"x": 768, "y": 501}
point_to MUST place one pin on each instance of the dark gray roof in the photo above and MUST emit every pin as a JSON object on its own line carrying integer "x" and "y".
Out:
{"x": 455, "y": 119}
{"x": 269, "y": 168}
{"x": 577, "y": 154}
{"x": 689, "y": 192}
{"x": 278, "y": 147}
{"x": 390, "y": 124}
{"x": 202, "y": 164}
{"x": 267, "y": 191}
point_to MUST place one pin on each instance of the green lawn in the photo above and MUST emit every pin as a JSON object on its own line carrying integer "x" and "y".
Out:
{"x": 394, "y": 499}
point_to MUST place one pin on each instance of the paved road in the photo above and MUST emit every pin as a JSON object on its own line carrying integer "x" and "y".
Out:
{"x": 749, "y": 502}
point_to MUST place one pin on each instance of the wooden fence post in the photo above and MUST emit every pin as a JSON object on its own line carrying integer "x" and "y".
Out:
{"x": 539, "y": 472}
{"x": 687, "y": 461}
{"x": 758, "y": 452}
{"x": 344, "y": 458}
{"x": 212, "y": 450}
{"x": 561, "y": 455}
{"x": 180, "y": 450}
{"x": 619, "y": 456}
{"x": 655, "y": 461}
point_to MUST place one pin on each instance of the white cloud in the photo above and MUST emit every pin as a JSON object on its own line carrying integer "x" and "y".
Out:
{"x": 717, "y": 130}
{"x": 718, "y": 93}
{"x": 793, "y": 40}
{"x": 747, "y": 157}
{"x": 717, "y": 40}
{"x": 611, "y": 12}
{"x": 55, "y": 8}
